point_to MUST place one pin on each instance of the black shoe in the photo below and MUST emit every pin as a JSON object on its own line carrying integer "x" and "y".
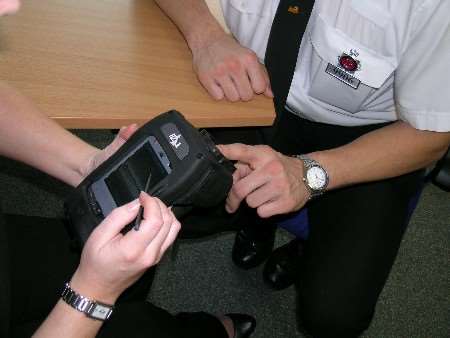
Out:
{"x": 244, "y": 325}
{"x": 253, "y": 246}
{"x": 281, "y": 269}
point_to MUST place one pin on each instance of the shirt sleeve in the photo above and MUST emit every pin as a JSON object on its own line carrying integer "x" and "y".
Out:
{"x": 422, "y": 79}
{"x": 216, "y": 10}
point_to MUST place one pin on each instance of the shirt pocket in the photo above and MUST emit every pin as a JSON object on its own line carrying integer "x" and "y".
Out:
{"x": 346, "y": 74}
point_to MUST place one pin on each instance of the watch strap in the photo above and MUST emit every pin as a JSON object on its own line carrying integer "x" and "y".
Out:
{"x": 307, "y": 164}
{"x": 91, "y": 308}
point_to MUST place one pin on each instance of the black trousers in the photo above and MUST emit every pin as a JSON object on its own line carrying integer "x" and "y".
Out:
{"x": 355, "y": 233}
{"x": 41, "y": 260}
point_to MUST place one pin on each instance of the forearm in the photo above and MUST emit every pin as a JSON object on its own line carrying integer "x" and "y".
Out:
{"x": 194, "y": 20}
{"x": 387, "y": 152}
{"x": 28, "y": 136}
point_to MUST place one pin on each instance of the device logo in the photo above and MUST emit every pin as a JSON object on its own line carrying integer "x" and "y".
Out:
{"x": 175, "y": 140}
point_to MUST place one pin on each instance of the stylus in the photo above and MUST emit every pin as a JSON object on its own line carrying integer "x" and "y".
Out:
{"x": 137, "y": 222}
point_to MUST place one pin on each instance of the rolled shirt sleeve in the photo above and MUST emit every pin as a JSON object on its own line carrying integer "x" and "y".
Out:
{"x": 422, "y": 79}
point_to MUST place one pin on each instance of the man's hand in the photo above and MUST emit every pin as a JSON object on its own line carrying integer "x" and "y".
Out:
{"x": 268, "y": 180}
{"x": 223, "y": 66}
{"x": 228, "y": 70}
{"x": 111, "y": 262}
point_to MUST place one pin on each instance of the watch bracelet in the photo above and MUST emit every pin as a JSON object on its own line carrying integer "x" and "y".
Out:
{"x": 83, "y": 304}
{"x": 307, "y": 162}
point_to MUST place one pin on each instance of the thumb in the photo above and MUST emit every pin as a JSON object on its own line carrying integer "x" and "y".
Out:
{"x": 126, "y": 132}
{"x": 122, "y": 136}
{"x": 268, "y": 92}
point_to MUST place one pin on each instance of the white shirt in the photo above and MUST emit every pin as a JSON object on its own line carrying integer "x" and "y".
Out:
{"x": 402, "y": 48}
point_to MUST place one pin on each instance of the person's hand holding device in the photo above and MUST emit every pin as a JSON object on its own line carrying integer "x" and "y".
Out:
{"x": 112, "y": 261}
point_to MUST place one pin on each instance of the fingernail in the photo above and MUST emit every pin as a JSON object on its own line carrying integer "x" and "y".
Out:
{"x": 134, "y": 205}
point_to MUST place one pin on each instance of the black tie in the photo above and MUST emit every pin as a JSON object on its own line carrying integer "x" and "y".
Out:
{"x": 285, "y": 37}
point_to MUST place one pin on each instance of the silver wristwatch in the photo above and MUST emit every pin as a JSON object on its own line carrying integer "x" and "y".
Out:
{"x": 90, "y": 308}
{"x": 315, "y": 176}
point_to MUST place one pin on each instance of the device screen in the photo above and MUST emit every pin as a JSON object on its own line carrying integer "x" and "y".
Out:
{"x": 126, "y": 182}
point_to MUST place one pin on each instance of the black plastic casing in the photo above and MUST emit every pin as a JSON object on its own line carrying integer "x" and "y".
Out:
{"x": 200, "y": 176}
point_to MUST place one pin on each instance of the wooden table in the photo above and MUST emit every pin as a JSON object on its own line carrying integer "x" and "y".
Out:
{"x": 107, "y": 63}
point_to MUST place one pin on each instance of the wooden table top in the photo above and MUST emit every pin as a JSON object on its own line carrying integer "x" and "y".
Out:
{"x": 105, "y": 64}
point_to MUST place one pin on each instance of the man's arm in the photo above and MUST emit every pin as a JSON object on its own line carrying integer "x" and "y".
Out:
{"x": 387, "y": 152}
{"x": 272, "y": 182}
{"x": 194, "y": 20}
{"x": 223, "y": 66}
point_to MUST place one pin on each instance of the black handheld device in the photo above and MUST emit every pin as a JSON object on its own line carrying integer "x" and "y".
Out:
{"x": 176, "y": 162}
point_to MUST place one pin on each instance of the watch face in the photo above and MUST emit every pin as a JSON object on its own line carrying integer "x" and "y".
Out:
{"x": 101, "y": 312}
{"x": 316, "y": 177}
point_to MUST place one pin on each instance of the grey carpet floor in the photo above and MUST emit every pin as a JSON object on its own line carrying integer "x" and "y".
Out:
{"x": 198, "y": 275}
